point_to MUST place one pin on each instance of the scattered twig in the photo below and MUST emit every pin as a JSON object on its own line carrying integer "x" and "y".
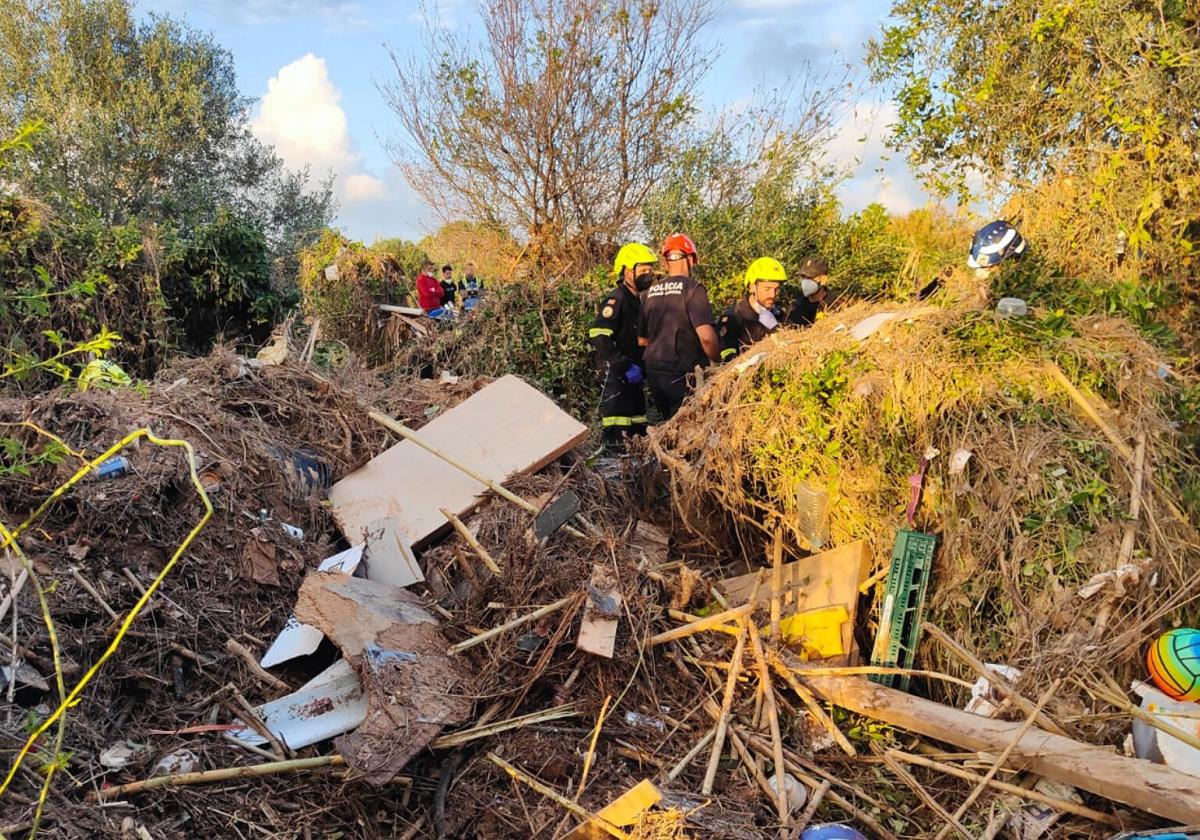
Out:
{"x": 241, "y": 652}
{"x": 1003, "y": 757}
{"x": 591, "y": 753}
{"x": 925, "y": 796}
{"x": 1088, "y": 409}
{"x": 995, "y": 678}
{"x": 706, "y": 623}
{"x": 252, "y": 719}
{"x": 811, "y": 810}
{"x": 776, "y": 583}
{"x": 549, "y": 792}
{"x": 1007, "y": 787}
{"x": 457, "y": 739}
{"x": 772, "y": 710}
{"x": 91, "y": 590}
{"x": 810, "y": 700}
{"x": 682, "y": 764}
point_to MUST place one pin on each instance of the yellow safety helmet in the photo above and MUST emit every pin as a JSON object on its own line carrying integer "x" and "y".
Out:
{"x": 101, "y": 373}
{"x": 766, "y": 269}
{"x": 633, "y": 254}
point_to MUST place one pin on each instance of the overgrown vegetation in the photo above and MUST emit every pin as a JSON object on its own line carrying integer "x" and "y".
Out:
{"x": 1033, "y": 509}
{"x": 1084, "y": 110}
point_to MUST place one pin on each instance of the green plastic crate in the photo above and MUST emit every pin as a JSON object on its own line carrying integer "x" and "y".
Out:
{"x": 903, "y": 606}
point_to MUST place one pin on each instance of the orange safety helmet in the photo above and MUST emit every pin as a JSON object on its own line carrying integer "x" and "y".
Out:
{"x": 679, "y": 242}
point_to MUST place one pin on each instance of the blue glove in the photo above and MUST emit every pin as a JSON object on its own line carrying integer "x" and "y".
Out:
{"x": 634, "y": 375}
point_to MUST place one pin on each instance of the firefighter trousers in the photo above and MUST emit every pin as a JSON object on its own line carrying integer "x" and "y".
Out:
{"x": 622, "y": 410}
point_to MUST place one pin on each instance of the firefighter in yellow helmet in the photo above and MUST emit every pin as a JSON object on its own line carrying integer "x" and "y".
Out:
{"x": 754, "y": 316}
{"x": 615, "y": 339}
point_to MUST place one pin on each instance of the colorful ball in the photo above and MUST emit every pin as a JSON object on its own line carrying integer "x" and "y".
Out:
{"x": 1174, "y": 663}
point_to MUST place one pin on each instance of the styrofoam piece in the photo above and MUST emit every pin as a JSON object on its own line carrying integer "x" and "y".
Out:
{"x": 1185, "y": 716}
{"x": 328, "y": 705}
{"x": 297, "y": 639}
{"x": 870, "y": 325}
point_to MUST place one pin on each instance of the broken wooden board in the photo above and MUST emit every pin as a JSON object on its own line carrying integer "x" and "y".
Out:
{"x": 601, "y": 614}
{"x": 395, "y": 645}
{"x": 623, "y": 812}
{"x": 297, "y": 638}
{"x": 390, "y": 557}
{"x": 826, "y": 579}
{"x": 503, "y": 430}
{"x": 1100, "y": 770}
{"x": 650, "y": 544}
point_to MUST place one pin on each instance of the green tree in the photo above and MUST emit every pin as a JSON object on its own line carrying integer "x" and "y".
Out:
{"x": 753, "y": 186}
{"x": 141, "y": 120}
{"x": 1085, "y": 108}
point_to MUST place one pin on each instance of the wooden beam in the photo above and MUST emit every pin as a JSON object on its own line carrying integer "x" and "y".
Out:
{"x": 1100, "y": 770}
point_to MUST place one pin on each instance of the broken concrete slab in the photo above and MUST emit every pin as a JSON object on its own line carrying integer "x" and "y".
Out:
{"x": 396, "y": 646}
{"x": 299, "y": 639}
{"x": 503, "y": 430}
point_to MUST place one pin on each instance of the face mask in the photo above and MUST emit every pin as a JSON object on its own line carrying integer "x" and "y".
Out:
{"x": 768, "y": 319}
{"x": 643, "y": 282}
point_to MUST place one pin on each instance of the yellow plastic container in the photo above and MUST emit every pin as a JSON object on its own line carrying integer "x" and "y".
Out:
{"x": 818, "y": 630}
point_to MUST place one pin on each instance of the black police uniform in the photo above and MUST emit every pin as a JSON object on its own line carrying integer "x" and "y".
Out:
{"x": 614, "y": 335}
{"x": 739, "y": 327}
{"x": 672, "y": 308}
{"x": 803, "y": 313}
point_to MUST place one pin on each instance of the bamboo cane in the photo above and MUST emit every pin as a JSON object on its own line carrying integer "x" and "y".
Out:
{"x": 768, "y": 691}
{"x": 516, "y": 622}
{"x": 714, "y": 757}
{"x": 465, "y": 533}
{"x": 224, "y": 774}
{"x": 706, "y": 623}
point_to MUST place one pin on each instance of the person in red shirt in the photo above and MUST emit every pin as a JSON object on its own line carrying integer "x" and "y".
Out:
{"x": 429, "y": 291}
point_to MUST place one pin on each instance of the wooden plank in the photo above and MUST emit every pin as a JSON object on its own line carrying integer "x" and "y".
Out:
{"x": 601, "y": 614}
{"x": 1100, "y": 770}
{"x": 505, "y": 429}
{"x": 829, "y": 578}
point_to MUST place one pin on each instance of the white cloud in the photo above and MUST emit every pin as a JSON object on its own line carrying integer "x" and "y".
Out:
{"x": 302, "y": 117}
{"x": 876, "y": 173}
{"x": 364, "y": 188}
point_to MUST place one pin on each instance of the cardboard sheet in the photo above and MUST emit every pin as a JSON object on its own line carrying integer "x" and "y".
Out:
{"x": 826, "y": 579}
{"x": 505, "y": 429}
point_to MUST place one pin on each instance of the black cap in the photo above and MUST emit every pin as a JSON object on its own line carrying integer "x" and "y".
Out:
{"x": 813, "y": 267}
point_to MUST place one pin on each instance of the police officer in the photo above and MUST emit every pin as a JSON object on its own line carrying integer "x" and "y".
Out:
{"x": 614, "y": 335}
{"x": 676, "y": 327}
{"x": 814, "y": 277}
{"x": 754, "y": 316}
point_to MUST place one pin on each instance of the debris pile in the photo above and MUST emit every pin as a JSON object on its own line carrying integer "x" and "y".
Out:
{"x": 418, "y": 611}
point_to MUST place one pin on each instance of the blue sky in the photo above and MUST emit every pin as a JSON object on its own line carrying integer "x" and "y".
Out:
{"x": 313, "y": 66}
